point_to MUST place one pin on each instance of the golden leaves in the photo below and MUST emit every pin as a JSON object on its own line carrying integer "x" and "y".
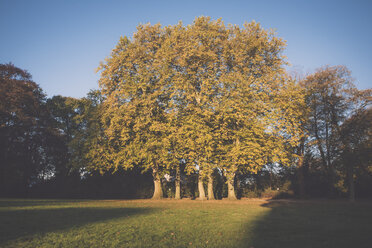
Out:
{"x": 207, "y": 93}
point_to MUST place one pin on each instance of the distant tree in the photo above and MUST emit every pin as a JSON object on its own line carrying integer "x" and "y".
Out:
{"x": 356, "y": 136}
{"x": 66, "y": 112}
{"x": 91, "y": 131}
{"x": 78, "y": 124}
{"x": 25, "y": 138}
{"x": 332, "y": 98}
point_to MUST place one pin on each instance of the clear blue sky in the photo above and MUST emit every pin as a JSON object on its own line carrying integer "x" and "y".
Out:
{"x": 62, "y": 42}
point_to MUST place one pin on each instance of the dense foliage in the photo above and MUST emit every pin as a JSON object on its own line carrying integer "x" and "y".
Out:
{"x": 215, "y": 97}
{"x": 189, "y": 106}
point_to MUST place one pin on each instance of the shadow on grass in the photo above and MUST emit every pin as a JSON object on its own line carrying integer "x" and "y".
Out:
{"x": 313, "y": 224}
{"x": 24, "y": 223}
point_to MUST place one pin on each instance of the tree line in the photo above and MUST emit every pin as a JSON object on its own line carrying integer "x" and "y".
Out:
{"x": 202, "y": 106}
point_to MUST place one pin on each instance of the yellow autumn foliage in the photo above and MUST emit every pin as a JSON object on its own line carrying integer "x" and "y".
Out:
{"x": 209, "y": 94}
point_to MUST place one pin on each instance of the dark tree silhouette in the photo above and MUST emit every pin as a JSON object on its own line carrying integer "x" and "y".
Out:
{"x": 24, "y": 131}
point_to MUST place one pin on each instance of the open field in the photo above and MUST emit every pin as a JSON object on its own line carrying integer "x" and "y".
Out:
{"x": 185, "y": 223}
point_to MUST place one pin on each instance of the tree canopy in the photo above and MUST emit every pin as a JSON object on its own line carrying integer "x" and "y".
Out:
{"x": 204, "y": 104}
{"x": 25, "y": 136}
{"x": 215, "y": 96}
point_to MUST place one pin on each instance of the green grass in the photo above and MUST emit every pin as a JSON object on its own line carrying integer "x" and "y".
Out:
{"x": 185, "y": 223}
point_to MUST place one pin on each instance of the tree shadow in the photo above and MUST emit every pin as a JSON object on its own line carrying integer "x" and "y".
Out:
{"x": 17, "y": 223}
{"x": 312, "y": 224}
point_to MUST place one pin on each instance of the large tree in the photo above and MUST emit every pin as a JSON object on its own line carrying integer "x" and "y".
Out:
{"x": 211, "y": 95}
{"x": 196, "y": 64}
{"x": 257, "y": 108}
{"x": 137, "y": 84}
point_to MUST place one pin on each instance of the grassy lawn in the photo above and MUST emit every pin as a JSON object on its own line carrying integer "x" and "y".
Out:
{"x": 185, "y": 223}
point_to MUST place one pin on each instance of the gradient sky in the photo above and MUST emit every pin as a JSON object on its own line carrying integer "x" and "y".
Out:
{"x": 61, "y": 43}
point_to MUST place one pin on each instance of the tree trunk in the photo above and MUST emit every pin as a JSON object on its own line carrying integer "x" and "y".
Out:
{"x": 300, "y": 177}
{"x": 331, "y": 181}
{"x": 230, "y": 187}
{"x": 178, "y": 184}
{"x": 201, "y": 189}
{"x": 158, "y": 191}
{"x": 350, "y": 176}
{"x": 210, "y": 187}
{"x": 351, "y": 183}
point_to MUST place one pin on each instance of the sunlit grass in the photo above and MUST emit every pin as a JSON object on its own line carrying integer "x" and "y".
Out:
{"x": 186, "y": 223}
